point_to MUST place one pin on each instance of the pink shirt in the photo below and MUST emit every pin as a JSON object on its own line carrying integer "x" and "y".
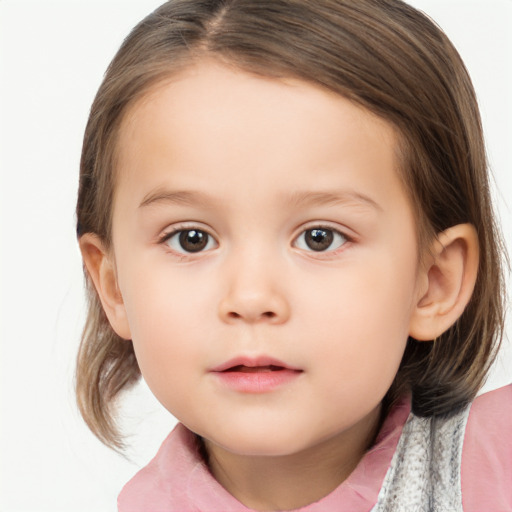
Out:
{"x": 177, "y": 479}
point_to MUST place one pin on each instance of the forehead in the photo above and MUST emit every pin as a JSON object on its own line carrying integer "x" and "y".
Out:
{"x": 211, "y": 124}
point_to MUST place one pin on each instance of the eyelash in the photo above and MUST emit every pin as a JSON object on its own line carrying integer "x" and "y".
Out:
{"x": 337, "y": 237}
{"x": 180, "y": 230}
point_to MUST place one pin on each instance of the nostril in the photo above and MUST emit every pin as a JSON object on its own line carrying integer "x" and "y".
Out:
{"x": 267, "y": 314}
{"x": 252, "y": 308}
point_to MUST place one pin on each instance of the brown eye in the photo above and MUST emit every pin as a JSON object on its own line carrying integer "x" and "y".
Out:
{"x": 190, "y": 241}
{"x": 193, "y": 240}
{"x": 320, "y": 239}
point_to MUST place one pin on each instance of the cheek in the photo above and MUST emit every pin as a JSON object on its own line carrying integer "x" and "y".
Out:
{"x": 157, "y": 297}
{"x": 167, "y": 333}
{"x": 169, "y": 359}
{"x": 361, "y": 319}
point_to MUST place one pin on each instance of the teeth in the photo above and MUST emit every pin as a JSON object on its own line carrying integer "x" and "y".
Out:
{"x": 255, "y": 369}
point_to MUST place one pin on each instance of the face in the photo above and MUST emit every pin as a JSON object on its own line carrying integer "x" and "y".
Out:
{"x": 266, "y": 255}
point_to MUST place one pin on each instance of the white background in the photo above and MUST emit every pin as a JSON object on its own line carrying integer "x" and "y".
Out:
{"x": 52, "y": 58}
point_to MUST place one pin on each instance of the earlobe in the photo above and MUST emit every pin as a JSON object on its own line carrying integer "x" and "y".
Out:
{"x": 450, "y": 279}
{"x": 101, "y": 269}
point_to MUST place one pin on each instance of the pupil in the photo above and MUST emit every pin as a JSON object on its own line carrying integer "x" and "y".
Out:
{"x": 193, "y": 240}
{"x": 319, "y": 239}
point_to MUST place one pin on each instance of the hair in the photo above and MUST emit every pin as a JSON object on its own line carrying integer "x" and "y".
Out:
{"x": 383, "y": 55}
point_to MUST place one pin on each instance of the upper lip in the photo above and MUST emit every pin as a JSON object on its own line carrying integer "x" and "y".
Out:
{"x": 253, "y": 362}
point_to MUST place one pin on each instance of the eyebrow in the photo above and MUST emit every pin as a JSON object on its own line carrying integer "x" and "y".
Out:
{"x": 296, "y": 199}
{"x": 311, "y": 198}
{"x": 181, "y": 197}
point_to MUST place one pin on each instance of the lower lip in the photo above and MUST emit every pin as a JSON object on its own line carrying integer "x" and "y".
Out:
{"x": 257, "y": 382}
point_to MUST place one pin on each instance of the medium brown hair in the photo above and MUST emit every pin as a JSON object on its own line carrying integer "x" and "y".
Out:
{"x": 381, "y": 54}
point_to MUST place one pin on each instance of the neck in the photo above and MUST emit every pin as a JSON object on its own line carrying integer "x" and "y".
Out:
{"x": 288, "y": 482}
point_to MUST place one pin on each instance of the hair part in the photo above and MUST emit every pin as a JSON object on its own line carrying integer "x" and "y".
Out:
{"x": 381, "y": 54}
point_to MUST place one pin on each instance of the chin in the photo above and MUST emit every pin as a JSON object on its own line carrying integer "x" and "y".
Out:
{"x": 265, "y": 442}
{"x": 251, "y": 448}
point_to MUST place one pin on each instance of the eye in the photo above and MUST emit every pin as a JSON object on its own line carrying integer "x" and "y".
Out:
{"x": 190, "y": 241}
{"x": 320, "y": 239}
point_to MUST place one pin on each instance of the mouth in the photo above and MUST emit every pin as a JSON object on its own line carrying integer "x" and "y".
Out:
{"x": 255, "y": 375}
{"x": 255, "y": 369}
{"x": 261, "y": 364}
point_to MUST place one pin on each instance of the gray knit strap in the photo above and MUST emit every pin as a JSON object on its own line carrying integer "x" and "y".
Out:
{"x": 425, "y": 475}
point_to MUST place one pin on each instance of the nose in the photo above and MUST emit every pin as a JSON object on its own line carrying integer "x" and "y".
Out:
{"x": 254, "y": 293}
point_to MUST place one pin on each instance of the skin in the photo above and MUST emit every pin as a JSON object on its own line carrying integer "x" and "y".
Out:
{"x": 262, "y": 161}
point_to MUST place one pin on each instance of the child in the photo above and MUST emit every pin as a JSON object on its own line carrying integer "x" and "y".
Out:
{"x": 286, "y": 226}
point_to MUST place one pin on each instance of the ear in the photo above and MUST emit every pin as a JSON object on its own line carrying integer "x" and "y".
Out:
{"x": 447, "y": 282}
{"x": 101, "y": 269}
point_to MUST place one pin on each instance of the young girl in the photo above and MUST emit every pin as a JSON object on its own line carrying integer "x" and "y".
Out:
{"x": 285, "y": 221}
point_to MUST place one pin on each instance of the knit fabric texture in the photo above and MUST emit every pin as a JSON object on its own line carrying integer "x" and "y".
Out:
{"x": 425, "y": 474}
